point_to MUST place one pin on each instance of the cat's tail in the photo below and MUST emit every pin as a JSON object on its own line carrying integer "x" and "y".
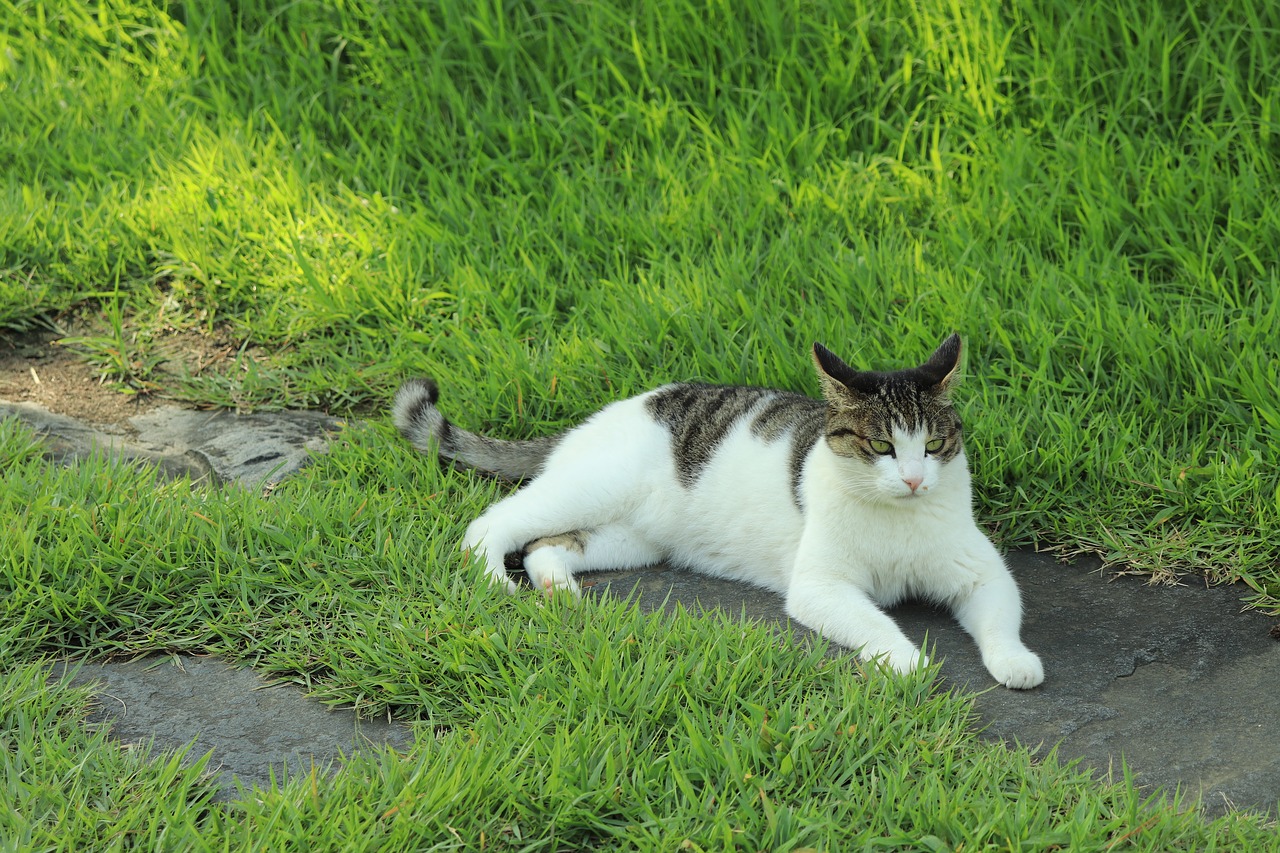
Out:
{"x": 416, "y": 416}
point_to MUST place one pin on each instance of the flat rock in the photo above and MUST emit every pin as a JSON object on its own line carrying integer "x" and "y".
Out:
{"x": 1176, "y": 682}
{"x": 255, "y": 450}
{"x": 252, "y": 727}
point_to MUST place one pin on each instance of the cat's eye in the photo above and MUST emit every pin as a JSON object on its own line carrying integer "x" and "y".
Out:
{"x": 880, "y": 446}
{"x": 933, "y": 445}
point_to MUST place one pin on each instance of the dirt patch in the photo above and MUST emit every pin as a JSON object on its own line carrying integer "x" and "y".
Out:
{"x": 36, "y": 368}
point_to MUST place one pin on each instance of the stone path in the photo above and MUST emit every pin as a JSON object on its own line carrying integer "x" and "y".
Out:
{"x": 252, "y": 726}
{"x": 253, "y": 450}
{"x": 1178, "y": 682}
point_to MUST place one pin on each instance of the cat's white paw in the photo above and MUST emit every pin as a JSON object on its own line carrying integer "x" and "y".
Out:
{"x": 548, "y": 573}
{"x": 901, "y": 659}
{"x": 496, "y": 572}
{"x": 1018, "y": 669}
{"x": 495, "y": 569}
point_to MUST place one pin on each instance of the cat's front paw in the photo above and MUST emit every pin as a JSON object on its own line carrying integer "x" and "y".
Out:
{"x": 1019, "y": 669}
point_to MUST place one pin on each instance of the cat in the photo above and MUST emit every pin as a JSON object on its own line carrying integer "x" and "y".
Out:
{"x": 843, "y": 505}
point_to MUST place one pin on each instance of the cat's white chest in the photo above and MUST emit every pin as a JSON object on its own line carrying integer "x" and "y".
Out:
{"x": 926, "y": 547}
{"x": 899, "y": 558}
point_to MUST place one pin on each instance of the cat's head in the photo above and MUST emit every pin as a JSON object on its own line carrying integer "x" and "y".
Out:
{"x": 900, "y": 423}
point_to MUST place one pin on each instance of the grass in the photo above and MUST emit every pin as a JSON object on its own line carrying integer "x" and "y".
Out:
{"x": 541, "y": 724}
{"x": 548, "y": 206}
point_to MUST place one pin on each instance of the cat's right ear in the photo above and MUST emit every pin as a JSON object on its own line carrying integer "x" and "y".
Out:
{"x": 837, "y": 377}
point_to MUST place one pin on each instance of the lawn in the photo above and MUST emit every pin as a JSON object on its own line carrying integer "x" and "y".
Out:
{"x": 550, "y": 205}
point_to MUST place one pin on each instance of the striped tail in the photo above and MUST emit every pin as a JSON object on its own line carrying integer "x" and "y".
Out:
{"x": 416, "y": 416}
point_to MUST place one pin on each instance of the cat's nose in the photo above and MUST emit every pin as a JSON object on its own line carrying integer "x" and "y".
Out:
{"x": 913, "y": 482}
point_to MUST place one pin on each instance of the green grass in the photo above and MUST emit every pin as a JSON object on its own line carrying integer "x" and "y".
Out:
{"x": 548, "y": 206}
{"x": 551, "y": 206}
{"x": 540, "y": 725}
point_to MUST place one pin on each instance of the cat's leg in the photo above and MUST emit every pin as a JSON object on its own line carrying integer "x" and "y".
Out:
{"x": 840, "y": 611}
{"x": 823, "y": 594}
{"x": 828, "y": 593}
{"x": 991, "y": 611}
{"x": 570, "y": 498}
{"x": 474, "y": 544}
{"x": 551, "y": 562}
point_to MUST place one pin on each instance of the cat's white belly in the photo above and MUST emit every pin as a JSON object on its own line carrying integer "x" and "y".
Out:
{"x": 737, "y": 521}
{"x": 928, "y": 557}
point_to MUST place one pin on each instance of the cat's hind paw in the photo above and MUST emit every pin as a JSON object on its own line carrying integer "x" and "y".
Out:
{"x": 904, "y": 659}
{"x": 548, "y": 573}
{"x": 498, "y": 576}
{"x": 1018, "y": 670}
{"x": 496, "y": 573}
{"x": 473, "y": 549}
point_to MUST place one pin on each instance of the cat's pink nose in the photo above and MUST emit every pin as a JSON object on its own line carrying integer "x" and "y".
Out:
{"x": 913, "y": 482}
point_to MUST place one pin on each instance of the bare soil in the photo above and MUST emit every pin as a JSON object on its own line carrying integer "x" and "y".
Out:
{"x": 33, "y": 369}
{"x": 36, "y": 368}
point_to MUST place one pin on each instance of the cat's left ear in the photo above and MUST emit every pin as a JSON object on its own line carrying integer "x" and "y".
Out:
{"x": 943, "y": 367}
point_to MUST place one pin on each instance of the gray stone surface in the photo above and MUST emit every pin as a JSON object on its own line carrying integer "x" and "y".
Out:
{"x": 252, "y": 727}
{"x": 1178, "y": 682}
{"x": 252, "y": 450}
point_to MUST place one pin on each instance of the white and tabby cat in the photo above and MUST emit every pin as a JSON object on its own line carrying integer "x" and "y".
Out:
{"x": 843, "y": 505}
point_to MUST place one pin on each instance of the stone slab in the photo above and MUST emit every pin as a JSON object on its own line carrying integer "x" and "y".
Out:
{"x": 253, "y": 450}
{"x": 252, "y": 726}
{"x": 1177, "y": 682}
